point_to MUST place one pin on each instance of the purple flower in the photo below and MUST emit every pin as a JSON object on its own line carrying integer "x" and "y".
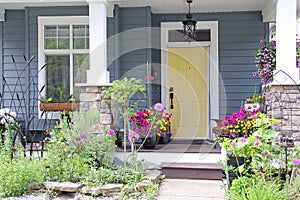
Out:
{"x": 296, "y": 161}
{"x": 233, "y": 144}
{"x": 133, "y": 135}
{"x": 243, "y": 139}
{"x": 256, "y": 143}
{"x": 82, "y": 136}
{"x": 158, "y": 107}
{"x": 110, "y": 132}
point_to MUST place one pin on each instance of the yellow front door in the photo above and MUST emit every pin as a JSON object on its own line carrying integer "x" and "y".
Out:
{"x": 189, "y": 89}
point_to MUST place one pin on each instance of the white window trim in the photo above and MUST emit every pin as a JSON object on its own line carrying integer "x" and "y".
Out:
{"x": 213, "y": 64}
{"x": 55, "y": 20}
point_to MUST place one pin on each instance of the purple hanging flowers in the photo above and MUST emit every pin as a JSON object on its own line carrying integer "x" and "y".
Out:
{"x": 265, "y": 61}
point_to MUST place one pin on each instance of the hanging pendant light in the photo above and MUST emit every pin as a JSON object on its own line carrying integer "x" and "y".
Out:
{"x": 189, "y": 25}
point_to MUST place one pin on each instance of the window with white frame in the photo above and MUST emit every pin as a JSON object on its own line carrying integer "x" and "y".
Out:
{"x": 64, "y": 46}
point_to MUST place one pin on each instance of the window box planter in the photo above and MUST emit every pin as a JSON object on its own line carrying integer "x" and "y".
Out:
{"x": 60, "y": 106}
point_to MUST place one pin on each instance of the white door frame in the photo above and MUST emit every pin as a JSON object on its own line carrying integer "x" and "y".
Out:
{"x": 213, "y": 64}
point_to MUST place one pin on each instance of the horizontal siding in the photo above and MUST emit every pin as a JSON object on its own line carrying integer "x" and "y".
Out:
{"x": 134, "y": 42}
{"x": 13, "y": 45}
{"x": 239, "y": 36}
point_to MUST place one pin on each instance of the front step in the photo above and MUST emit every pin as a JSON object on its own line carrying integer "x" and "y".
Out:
{"x": 207, "y": 171}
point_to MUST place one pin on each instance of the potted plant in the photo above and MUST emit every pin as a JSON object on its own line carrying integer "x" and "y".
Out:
{"x": 255, "y": 102}
{"x": 150, "y": 124}
{"x": 254, "y": 152}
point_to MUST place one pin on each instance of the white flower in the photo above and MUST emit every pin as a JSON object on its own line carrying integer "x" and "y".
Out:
{"x": 2, "y": 112}
{"x": 6, "y": 110}
{"x": 10, "y": 119}
{"x": 13, "y": 114}
{"x": 3, "y": 121}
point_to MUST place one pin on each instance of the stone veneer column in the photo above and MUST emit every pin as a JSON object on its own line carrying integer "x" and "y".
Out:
{"x": 91, "y": 99}
{"x": 284, "y": 104}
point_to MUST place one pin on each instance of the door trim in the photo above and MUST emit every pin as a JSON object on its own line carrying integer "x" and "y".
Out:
{"x": 213, "y": 64}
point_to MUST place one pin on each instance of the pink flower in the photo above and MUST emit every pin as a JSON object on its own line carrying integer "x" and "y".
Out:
{"x": 296, "y": 161}
{"x": 133, "y": 135}
{"x": 158, "y": 107}
{"x": 110, "y": 132}
{"x": 233, "y": 144}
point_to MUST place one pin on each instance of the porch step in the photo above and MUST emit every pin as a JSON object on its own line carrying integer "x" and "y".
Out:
{"x": 207, "y": 171}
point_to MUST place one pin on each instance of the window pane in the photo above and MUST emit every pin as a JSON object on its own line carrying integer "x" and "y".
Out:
{"x": 58, "y": 77}
{"x": 81, "y": 65}
{"x": 50, "y": 43}
{"x": 79, "y": 30}
{"x": 57, "y": 37}
{"x": 80, "y": 36}
{"x": 50, "y": 31}
{"x": 64, "y": 31}
{"x": 79, "y": 43}
{"x": 63, "y": 43}
{"x": 50, "y": 37}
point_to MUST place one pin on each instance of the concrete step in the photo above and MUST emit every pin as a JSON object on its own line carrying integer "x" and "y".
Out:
{"x": 204, "y": 171}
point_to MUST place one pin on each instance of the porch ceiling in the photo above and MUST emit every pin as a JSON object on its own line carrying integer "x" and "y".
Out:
{"x": 164, "y": 6}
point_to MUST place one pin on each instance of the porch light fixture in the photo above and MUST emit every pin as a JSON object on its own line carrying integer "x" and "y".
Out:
{"x": 189, "y": 25}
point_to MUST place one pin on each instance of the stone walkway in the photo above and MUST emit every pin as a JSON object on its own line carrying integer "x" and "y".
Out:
{"x": 189, "y": 189}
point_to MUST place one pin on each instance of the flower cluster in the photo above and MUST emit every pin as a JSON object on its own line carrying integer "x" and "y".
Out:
{"x": 265, "y": 60}
{"x": 240, "y": 124}
{"x": 153, "y": 121}
{"x": 7, "y": 117}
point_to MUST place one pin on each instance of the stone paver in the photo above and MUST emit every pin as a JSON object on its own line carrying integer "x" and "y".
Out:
{"x": 189, "y": 189}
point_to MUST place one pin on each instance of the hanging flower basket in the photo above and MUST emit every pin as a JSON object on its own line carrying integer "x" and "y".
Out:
{"x": 59, "y": 106}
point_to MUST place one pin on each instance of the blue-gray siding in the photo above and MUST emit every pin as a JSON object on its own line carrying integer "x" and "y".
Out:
{"x": 239, "y": 36}
{"x": 13, "y": 44}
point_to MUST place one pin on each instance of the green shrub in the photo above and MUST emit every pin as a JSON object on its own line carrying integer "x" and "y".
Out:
{"x": 17, "y": 173}
{"x": 251, "y": 189}
{"x": 74, "y": 148}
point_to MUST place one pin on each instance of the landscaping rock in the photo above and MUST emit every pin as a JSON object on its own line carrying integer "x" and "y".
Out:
{"x": 34, "y": 186}
{"x": 142, "y": 185}
{"x": 109, "y": 188}
{"x": 63, "y": 186}
{"x": 92, "y": 190}
{"x": 153, "y": 175}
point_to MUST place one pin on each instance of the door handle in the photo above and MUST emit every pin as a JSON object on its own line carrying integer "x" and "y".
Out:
{"x": 171, "y": 98}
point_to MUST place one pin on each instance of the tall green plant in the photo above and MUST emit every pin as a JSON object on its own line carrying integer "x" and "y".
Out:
{"x": 121, "y": 92}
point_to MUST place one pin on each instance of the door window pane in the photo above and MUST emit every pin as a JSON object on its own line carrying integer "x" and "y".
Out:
{"x": 58, "y": 77}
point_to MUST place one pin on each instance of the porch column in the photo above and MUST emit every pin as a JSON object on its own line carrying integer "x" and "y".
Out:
{"x": 97, "y": 74}
{"x": 286, "y": 41}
